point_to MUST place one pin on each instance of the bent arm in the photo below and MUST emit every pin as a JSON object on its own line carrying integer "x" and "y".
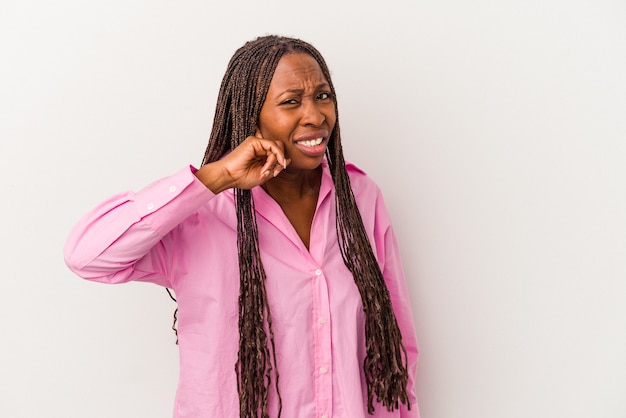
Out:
{"x": 125, "y": 237}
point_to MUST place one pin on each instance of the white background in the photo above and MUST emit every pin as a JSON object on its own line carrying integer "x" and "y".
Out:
{"x": 496, "y": 130}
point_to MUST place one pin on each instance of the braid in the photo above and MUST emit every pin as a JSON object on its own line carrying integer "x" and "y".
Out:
{"x": 385, "y": 362}
{"x": 385, "y": 368}
{"x": 239, "y": 104}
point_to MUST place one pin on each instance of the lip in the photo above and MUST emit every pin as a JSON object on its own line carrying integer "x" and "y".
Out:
{"x": 322, "y": 133}
{"x": 314, "y": 151}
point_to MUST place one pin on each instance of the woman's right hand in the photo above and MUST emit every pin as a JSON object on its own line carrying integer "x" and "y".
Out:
{"x": 251, "y": 164}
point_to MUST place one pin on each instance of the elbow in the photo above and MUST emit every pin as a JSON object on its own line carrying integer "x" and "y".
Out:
{"x": 81, "y": 259}
{"x": 92, "y": 267}
{"x": 73, "y": 259}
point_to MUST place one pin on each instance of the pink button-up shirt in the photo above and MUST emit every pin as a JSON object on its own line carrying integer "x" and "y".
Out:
{"x": 177, "y": 233}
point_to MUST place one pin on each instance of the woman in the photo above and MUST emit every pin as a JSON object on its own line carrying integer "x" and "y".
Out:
{"x": 291, "y": 296}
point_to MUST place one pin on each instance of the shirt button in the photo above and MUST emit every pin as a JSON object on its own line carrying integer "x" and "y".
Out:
{"x": 318, "y": 272}
{"x": 323, "y": 370}
{"x": 150, "y": 206}
{"x": 322, "y": 320}
{"x": 324, "y": 416}
{"x": 172, "y": 189}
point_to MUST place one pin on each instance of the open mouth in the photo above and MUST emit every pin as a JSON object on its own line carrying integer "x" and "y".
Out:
{"x": 311, "y": 142}
{"x": 314, "y": 147}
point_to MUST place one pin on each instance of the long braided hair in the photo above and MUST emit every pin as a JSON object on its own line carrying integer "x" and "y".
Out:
{"x": 239, "y": 103}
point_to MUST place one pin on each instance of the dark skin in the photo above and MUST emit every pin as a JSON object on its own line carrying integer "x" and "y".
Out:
{"x": 298, "y": 205}
{"x": 285, "y": 154}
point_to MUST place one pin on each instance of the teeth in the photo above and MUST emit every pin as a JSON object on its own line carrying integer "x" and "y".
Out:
{"x": 311, "y": 143}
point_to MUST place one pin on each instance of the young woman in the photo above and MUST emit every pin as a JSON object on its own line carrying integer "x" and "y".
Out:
{"x": 291, "y": 296}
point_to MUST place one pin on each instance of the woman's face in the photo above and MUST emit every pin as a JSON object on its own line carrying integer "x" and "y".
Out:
{"x": 299, "y": 110}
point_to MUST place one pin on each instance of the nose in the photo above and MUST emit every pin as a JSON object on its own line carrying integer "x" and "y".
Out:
{"x": 311, "y": 113}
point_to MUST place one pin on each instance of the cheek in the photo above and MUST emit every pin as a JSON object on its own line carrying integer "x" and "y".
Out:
{"x": 276, "y": 126}
{"x": 331, "y": 119}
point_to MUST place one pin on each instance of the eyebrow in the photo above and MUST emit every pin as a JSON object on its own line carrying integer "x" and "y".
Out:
{"x": 299, "y": 91}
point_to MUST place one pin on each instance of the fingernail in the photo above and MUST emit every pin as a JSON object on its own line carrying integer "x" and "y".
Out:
{"x": 266, "y": 173}
{"x": 276, "y": 172}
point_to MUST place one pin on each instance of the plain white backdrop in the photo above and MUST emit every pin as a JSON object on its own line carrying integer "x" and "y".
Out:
{"x": 496, "y": 129}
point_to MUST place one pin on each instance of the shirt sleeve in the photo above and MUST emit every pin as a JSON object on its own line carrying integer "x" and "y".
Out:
{"x": 398, "y": 290}
{"x": 393, "y": 274}
{"x": 126, "y": 237}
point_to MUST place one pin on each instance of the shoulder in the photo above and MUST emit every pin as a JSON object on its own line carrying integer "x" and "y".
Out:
{"x": 354, "y": 170}
{"x": 361, "y": 183}
{"x": 370, "y": 202}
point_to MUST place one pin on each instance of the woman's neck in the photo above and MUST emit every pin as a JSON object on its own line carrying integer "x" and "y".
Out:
{"x": 296, "y": 192}
{"x": 292, "y": 186}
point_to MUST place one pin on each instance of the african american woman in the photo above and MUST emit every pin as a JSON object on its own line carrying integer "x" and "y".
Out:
{"x": 291, "y": 296}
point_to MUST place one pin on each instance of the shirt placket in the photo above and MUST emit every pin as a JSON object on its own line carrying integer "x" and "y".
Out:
{"x": 322, "y": 340}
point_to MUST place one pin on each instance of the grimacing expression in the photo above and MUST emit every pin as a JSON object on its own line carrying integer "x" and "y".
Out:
{"x": 299, "y": 110}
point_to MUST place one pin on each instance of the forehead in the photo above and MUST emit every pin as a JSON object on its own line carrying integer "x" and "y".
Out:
{"x": 297, "y": 70}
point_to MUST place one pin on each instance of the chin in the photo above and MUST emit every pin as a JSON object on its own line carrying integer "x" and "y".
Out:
{"x": 309, "y": 164}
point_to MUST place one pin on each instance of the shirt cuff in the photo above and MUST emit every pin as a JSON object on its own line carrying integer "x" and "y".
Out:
{"x": 168, "y": 201}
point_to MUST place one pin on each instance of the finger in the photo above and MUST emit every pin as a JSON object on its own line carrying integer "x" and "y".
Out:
{"x": 257, "y": 133}
{"x": 277, "y": 169}
{"x": 281, "y": 166}
{"x": 280, "y": 154}
{"x": 277, "y": 148}
{"x": 269, "y": 166}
